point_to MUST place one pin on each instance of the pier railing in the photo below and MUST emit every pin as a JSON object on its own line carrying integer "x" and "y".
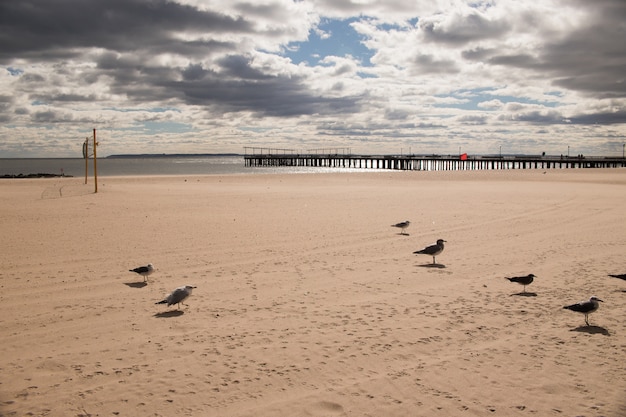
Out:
{"x": 269, "y": 157}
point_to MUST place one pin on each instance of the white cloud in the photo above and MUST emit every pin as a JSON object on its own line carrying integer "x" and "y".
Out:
{"x": 491, "y": 104}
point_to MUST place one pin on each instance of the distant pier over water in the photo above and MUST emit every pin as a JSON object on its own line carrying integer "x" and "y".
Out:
{"x": 343, "y": 158}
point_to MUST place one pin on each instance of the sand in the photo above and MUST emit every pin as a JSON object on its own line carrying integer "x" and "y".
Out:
{"x": 308, "y": 302}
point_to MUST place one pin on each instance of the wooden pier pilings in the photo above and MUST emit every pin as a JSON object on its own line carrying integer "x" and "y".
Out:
{"x": 427, "y": 162}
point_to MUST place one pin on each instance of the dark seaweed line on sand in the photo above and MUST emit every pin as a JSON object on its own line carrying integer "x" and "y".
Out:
{"x": 38, "y": 175}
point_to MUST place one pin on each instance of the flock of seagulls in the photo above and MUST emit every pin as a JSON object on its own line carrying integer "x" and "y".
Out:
{"x": 585, "y": 307}
{"x": 177, "y": 296}
{"x": 180, "y": 294}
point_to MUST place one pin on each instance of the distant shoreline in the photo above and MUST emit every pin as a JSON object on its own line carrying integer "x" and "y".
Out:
{"x": 172, "y": 155}
{"x": 137, "y": 156}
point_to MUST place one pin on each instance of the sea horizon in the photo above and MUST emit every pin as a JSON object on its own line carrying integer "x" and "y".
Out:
{"x": 211, "y": 164}
{"x": 146, "y": 165}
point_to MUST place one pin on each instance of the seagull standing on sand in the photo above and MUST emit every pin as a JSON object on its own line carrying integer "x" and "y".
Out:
{"x": 432, "y": 250}
{"x": 585, "y": 307}
{"x": 525, "y": 280}
{"x": 402, "y": 225}
{"x": 144, "y": 271}
{"x": 177, "y": 296}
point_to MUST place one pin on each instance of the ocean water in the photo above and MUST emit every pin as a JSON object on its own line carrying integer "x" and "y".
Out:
{"x": 201, "y": 165}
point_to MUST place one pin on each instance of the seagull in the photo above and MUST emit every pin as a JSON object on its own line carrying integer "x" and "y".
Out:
{"x": 144, "y": 271}
{"x": 620, "y": 276}
{"x": 402, "y": 225}
{"x": 525, "y": 280}
{"x": 432, "y": 250}
{"x": 585, "y": 307}
{"x": 177, "y": 296}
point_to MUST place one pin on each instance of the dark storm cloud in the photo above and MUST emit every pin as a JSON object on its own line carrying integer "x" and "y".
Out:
{"x": 237, "y": 66}
{"x": 5, "y": 104}
{"x": 554, "y": 117}
{"x": 429, "y": 64}
{"x": 477, "y": 54}
{"x": 69, "y": 98}
{"x": 590, "y": 59}
{"x": 129, "y": 33}
{"x": 49, "y": 116}
{"x": 473, "y": 120}
{"x": 538, "y": 117}
{"x": 396, "y": 114}
{"x": 518, "y": 61}
{"x": 604, "y": 118}
{"x": 232, "y": 85}
{"x": 463, "y": 29}
{"x": 240, "y": 87}
{"x": 270, "y": 11}
{"x": 48, "y": 29}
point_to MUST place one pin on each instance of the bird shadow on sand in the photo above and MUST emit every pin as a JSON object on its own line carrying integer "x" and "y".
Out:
{"x": 403, "y": 234}
{"x": 136, "y": 284}
{"x": 525, "y": 294}
{"x": 439, "y": 266}
{"x": 169, "y": 313}
{"x": 592, "y": 330}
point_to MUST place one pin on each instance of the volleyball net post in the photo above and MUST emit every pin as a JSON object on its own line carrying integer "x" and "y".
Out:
{"x": 87, "y": 154}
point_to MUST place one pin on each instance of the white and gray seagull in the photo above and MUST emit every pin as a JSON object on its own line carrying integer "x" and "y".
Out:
{"x": 432, "y": 250}
{"x": 144, "y": 271}
{"x": 402, "y": 225}
{"x": 585, "y": 307}
{"x": 177, "y": 296}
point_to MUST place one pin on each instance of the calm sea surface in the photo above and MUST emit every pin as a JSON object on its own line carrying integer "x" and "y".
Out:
{"x": 205, "y": 165}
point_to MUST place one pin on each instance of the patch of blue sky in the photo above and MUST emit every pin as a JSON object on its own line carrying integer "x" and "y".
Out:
{"x": 166, "y": 127}
{"x": 413, "y": 21}
{"x": 332, "y": 37}
{"x": 155, "y": 127}
{"x": 148, "y": 110}
{"x": 482, "y": 5}
{"x": 388, "y": 27}
{"x": 255, "y": 129}
{"x": 472, "y": 99}
{"x": 362, "y": 74}
{"x": 15, "y": 71}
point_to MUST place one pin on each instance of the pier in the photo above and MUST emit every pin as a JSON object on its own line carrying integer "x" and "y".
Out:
{"x": 343, "y": 158}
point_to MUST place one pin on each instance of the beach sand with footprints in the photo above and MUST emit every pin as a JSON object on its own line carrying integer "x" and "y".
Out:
{"x": 307, "y": 303}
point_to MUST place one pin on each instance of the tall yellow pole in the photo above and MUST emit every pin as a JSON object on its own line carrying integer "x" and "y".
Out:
{"x": 95, "y": 161}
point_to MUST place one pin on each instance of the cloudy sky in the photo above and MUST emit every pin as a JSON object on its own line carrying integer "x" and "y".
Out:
{"x": 375, "y": 76}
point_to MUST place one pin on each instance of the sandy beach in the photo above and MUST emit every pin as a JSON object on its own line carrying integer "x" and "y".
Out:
{"x": 308, "y": 302}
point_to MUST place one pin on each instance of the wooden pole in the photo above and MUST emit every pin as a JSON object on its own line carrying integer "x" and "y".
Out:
{"x": 95, "y": 161}
{"x": 86, "y": 156}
